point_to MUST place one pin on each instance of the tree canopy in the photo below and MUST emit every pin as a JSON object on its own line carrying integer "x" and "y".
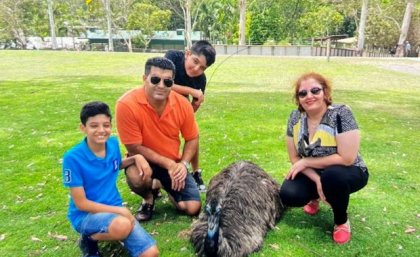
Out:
{"x": 267, "y": 21}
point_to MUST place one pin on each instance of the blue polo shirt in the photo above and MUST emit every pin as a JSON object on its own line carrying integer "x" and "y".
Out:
{"x": 97, "y": 176}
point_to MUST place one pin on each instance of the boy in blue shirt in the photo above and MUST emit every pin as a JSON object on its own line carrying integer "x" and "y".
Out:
{"x": 90, "y": 171}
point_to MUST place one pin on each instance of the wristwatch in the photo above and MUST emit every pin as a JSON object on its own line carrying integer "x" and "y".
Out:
{"x": 186, "y": 164}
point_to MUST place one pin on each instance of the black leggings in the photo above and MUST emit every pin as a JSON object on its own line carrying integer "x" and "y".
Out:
{"x": 338, "y": 182}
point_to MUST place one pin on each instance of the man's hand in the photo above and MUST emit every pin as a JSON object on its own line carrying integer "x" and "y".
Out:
{"x": 178, "y": 173}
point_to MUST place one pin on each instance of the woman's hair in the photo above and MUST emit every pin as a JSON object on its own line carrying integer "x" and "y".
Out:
{"x": 325, "y": 83}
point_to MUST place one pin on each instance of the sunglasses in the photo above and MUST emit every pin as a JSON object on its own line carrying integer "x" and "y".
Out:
{"x": 166, "y": 82}
{"x": 314, "y": 91}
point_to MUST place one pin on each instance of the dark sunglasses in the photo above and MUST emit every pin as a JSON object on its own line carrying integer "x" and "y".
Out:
{"x": 314, "y": 91}
{"x": 166, "y": 82}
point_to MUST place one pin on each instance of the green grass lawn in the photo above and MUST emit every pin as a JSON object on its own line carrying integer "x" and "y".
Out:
{"x": 244, "y": 117}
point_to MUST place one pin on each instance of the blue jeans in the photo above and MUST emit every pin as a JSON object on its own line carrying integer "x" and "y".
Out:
{"x": 190, "y": 191}
{"x": 137, "y": 242}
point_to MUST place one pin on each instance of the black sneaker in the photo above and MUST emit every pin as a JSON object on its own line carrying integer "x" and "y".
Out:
{"x": 89, "y": 247}
{"x": 200, "y": 184}
{"x": 145, "y": 212}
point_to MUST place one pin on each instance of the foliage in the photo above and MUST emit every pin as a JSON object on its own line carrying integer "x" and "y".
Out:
{"x": 323, "y": 21}
{"x": 220, "y": 18}
{"x": 290, "y": 21}
{"x": 248, "y": 100}
{"x": 148, "y": 18}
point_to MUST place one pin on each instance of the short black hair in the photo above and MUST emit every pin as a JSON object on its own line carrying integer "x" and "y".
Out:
{"x": 159, "y": 62}
{"x": 92, "y": 109}
{"x": 203, "y": 47}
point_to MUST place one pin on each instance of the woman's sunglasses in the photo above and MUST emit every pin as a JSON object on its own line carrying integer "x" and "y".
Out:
{"x": 167, "y": 82}
{"x": 314, "y": 91}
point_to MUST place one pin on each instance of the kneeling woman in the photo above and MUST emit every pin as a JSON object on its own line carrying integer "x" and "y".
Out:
{"x": 323, "y": 145}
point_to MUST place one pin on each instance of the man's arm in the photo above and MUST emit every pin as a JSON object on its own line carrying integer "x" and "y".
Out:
{"x": 190, "y": 148}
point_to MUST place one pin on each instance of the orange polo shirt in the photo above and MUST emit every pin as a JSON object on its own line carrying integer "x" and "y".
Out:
{"x": 138, "y": 123}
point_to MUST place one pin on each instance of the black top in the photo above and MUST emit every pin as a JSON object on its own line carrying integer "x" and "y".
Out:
{"x": 181, "y": 77}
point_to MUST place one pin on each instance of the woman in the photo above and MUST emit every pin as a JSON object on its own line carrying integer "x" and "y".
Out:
{"x": 323, "y": 143}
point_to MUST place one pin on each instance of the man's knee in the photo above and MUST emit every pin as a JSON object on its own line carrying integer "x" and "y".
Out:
{"x": 134, "y": 180}
{"x": 191, "y": 208}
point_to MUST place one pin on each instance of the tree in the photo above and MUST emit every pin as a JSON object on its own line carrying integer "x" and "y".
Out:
{"x": 188, "y": 10}
{"x": 52, "y": 24}
{"x": 121, "y": 12}
{"x": 404, "y": 27}
{"x": 20, "y": 18}
{"x": 242, "y": 21}
{"x": 108, "y": 14}
{"x": 361, "y": 34}
{"x": 148, "y": 18}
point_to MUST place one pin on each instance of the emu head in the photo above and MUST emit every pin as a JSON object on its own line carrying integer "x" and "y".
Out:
{"x": 211, "y": 243}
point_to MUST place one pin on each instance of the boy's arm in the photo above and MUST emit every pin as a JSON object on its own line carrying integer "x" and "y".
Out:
{"x": 84, "y": 204}
{"x": 184, "y": 90}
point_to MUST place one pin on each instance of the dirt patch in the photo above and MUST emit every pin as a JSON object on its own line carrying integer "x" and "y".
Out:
{"x": 412, "y": 68}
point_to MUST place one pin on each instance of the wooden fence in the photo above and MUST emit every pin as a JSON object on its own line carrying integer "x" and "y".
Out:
{"x": 294, "y": 51}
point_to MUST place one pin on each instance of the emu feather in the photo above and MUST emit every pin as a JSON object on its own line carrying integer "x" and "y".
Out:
{"x": 242, "y": 204}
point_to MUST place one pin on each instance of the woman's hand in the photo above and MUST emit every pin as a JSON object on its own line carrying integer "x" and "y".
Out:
{"x": 297, "y": 167}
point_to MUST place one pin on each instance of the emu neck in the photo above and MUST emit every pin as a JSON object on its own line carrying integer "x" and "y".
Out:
{"x": 211, "y": 243}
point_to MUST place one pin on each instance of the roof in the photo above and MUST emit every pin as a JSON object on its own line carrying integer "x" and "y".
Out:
{"x": 177, "y": 35}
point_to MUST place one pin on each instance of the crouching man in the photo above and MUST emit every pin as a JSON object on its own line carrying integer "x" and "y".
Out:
{"x": 149, "y": 122}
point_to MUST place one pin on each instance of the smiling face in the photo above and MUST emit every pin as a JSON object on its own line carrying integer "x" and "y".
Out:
{"x": 311, "y": 95}
{"x": 195, "y": 65}
{"x": 97, "y": 129}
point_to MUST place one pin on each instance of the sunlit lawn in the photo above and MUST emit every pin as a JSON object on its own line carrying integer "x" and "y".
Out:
{"x": 243, "y": 118}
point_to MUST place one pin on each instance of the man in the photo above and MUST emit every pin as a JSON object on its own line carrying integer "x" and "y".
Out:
{"x": 407, "y": 49}
{"x": 149, "y": 120}
{"x": 190, "y": 80}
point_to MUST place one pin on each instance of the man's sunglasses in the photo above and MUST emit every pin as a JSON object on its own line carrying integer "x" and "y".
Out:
{"x": 166, "y": 82}
{"x": 314, "y": 91}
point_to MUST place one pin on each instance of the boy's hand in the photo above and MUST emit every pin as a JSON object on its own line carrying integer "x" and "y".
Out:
{"x": 198, "y": 99}
{"x": 123, "y": 211}
{"x": 143, "y": 166}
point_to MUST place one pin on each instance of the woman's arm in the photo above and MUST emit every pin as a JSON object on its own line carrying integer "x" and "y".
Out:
{"x": 347, "y": 149}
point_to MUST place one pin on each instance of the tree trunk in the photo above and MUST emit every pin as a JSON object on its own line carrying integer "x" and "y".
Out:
{"x": 107, "y": 6}
{"x": 242, "y": 19}
{"x": 404, "y": 28}
{"x": 52, "y": 25}
{"x": 187, "y": 22}
{"x": 362, "y": 26}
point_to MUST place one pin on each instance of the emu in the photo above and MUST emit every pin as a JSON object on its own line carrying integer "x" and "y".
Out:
{"x": 242, "y": 203}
